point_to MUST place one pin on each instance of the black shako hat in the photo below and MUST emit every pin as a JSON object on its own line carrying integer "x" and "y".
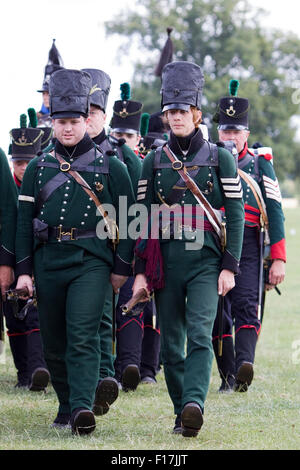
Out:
{"x": 69, "y": 93}
{"x": 25, "y": 143}
{"x": 54, "y": 63}
{"x": 182, "y": 84}
{"x": 232, "y": 111}
{"x": 100, "y": 87}
{"x": 126, "y": 113}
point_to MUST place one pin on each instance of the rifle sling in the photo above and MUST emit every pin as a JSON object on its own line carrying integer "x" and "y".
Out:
{"x": 247, "y": 179}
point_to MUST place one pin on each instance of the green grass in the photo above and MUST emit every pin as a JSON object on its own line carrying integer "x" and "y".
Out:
{"x": 266, "y": 417}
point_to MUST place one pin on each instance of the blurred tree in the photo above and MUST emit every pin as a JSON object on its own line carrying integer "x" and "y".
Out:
{"x": 226, "y": 39}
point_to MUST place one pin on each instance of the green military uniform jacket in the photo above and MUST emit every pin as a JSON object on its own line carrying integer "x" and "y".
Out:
{"x": 8, "y": 213}
{"x": 220, "y": 184}
{"x": 258, "y": 164}
{"x": 70, "y": 206}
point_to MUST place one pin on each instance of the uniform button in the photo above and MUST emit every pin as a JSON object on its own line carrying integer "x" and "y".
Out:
{"x": 88, "y": 207}
{"x": 40, "y": 174}
{"x": 160, "y": 190}
{"x": 82, "y": 223}
{"x": 63, "y": 210}
{"x": 158, "y": 182}
{"x": 68, "y": 181}
{"x": 97, "y": 175}
{"x": 40, "y": 182}
{"x": 66, "y": 195}
{"x": 85, "y": 215}
{"x": 64, "y": 202}
{"x": 61, "y": 218}
{"x": 158, "y": 174}
{"x": 90, "y": 199}
{"x": 42, "y": 212}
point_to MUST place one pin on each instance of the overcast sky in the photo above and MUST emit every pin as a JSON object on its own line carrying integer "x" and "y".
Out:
{"x": 27, "y": 28}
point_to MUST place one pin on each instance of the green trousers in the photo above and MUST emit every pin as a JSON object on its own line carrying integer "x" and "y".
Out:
{"x": 107, "y": 357}
{"x": 186, "y": 308}
{"x": 71, "y": 288}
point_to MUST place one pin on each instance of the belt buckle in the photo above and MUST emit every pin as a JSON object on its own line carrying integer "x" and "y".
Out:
{"x": 177, "y": 165}
{"x": 65, "y": 166}
{"x": 62, "y": 234}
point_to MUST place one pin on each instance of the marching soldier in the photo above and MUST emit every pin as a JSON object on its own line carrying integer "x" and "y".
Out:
{"x": 187, "y": 297}
{"x": 263, "y": 219}
{"x": 70, "y": 246}
{"x": 107, "y": 389}
{"x": 125, "y": 126}
{"x": 22, "y": 322}
{"x": 8, "y": 219}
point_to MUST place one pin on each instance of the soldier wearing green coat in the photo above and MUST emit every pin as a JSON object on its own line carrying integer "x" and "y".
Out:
{"x": 187, "y": 281}
{"x": 64, "y": 240}
{"x": 263, "y": 210}
{"x": 8, "y": 220}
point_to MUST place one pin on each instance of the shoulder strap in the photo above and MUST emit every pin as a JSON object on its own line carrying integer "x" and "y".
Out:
{"x": 201, "y": 199}
{"x": 257, "y": 194}
{"x": 110, "y": 224}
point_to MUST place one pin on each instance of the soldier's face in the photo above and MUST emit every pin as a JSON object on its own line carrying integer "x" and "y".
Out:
{"x": 238, "y": 137}
{"x": 96, "y": 121}
{"x": 132, "y": 140}
{"x": 181, "y": 122}
{"x": 46, "y": 98}
{"x": 19, "y": 168}
{"x": 70, "y": 131}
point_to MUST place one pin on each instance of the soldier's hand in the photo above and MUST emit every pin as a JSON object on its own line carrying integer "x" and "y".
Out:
{"x": 117, "y": 281}
{"x": 277, "y": 272}
{"x": 140, "y": 282}
{"x": 6, "y": 279}
{"x": 25, "y": 282}
{"x": 226, "y": 281}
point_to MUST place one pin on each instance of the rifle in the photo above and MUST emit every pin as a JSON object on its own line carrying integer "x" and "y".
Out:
{"x": 261, "y": 273}
{"x": 220, "y": 324}
{"x": 14, "y": 295}
{"x": 134, "y": 306}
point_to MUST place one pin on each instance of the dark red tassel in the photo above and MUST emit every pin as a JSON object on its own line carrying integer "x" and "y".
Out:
{"x": 150, "y": 251}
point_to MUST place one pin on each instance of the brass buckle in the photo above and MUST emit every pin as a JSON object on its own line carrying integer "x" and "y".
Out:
{"x": 61, "y": 233}
{"x": 177, "y": 165}
{"x": 65, "y": 166}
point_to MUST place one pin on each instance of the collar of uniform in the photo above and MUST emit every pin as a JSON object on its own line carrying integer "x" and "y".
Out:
{"x": 82, "y": 147}
{"x": 244, "y": 151}
{"x": 17, "y": 181}
{"x": 191, "y": 143}
{"x": 100, "y": 137}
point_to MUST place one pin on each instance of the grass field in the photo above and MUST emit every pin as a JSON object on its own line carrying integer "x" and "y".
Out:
{"x": 266, "y": 417}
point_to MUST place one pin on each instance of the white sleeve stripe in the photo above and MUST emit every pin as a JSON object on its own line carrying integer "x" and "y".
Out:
{"x": 272, "y": 186}
{"x": 273, "y": 190}
{"x": 231, "y": 180}
{"x": 142, "y": 189}
{"x": 232, "y": 188}
{"x": 276, "y": 198}
{"x": 270, "y": 180}
{"x": 240, "y": 194}
{"x": 272, "y": 194}
{"x": 141, "y": 196}
{"x": 141, "y": 182}
{"x": 26, "y": 198}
